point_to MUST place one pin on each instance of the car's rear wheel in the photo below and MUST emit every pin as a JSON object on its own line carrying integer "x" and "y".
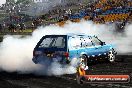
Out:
{"x": 111, "y": 56}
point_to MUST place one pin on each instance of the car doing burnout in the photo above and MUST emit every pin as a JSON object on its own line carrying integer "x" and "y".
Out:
{"x": 63, "y": 48}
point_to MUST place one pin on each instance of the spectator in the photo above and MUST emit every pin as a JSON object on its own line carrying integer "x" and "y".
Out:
{"x": 1, "y": 28}
{"x": 32, "y": 26}
{"x": 18, "y": 27}
{"x": 22, "y": 27}
{"x": 4, "y": 26}
{"x": 12, "y": 28}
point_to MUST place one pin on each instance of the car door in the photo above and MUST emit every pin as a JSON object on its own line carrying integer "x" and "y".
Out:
{"x": 88, "y": 46}
{"x": 98, "y": 47}
{"x": 73, "y": 46}
{"x": 76, "y": 46}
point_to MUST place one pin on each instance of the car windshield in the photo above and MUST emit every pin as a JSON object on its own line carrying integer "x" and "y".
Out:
{"x": 53, "y": 42}
{"x": 95, "y": 40}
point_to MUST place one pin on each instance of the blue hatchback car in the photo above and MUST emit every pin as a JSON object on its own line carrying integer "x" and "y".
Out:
{"x": 63, "y": 48}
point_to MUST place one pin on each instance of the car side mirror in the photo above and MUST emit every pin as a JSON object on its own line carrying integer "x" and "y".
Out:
{"x": 102, "y": 43}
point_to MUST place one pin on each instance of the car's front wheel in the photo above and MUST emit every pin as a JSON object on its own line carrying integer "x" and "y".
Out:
{"x": 111, "y": 56}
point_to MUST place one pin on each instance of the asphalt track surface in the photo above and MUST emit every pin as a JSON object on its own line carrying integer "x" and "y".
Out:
{"x": 15, "y": 80}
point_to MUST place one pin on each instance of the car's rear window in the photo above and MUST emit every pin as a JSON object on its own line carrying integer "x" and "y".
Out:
{"x": 53, "y": 42}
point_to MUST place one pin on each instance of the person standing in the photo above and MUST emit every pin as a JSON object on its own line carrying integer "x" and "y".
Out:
{"x": 18, "y": 27}
{"x": 32, "y": 25}
{"x": 0, "y": 27}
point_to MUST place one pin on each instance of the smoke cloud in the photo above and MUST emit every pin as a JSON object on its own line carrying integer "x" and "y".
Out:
{"x": 16, "y": 51}
{"x": 2, "y": 2}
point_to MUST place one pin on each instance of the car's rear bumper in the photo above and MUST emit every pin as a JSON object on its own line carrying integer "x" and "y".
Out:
{"x": 45, "y": 59}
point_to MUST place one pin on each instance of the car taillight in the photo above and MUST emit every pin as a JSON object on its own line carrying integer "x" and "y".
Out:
{"x": 33, "y": 53}
{"x": 36, "y": 53}
{"x": 66, "y": 54}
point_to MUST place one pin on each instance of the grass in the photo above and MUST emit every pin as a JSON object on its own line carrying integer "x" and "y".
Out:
{"x": 17, "y": 30}
{"x": 25, "y": 32}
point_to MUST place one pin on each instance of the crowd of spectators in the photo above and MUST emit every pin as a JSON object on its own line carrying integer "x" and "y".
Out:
{"x": 12, "y": 27}
{"x": 104, "y": 11}
{"x": 113, "y": 10}
{"x": 101, "y": 11}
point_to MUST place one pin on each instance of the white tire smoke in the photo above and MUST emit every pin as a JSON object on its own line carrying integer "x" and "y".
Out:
{"x": 16, "y": 52}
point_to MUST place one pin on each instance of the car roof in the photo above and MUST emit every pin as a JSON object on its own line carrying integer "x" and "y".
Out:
{"x": 71, "y": 35}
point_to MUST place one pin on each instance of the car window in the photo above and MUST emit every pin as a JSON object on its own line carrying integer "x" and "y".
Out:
{"x": 74, "y": 42}
{"x": 58, "y": 42}
{"x": 96, "y": 41}
{"x": 79, "y": 42}
{"x": 86, "y": 42}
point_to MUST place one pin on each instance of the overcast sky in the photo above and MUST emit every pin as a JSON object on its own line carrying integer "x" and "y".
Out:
{"x": 2, "y": 2}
